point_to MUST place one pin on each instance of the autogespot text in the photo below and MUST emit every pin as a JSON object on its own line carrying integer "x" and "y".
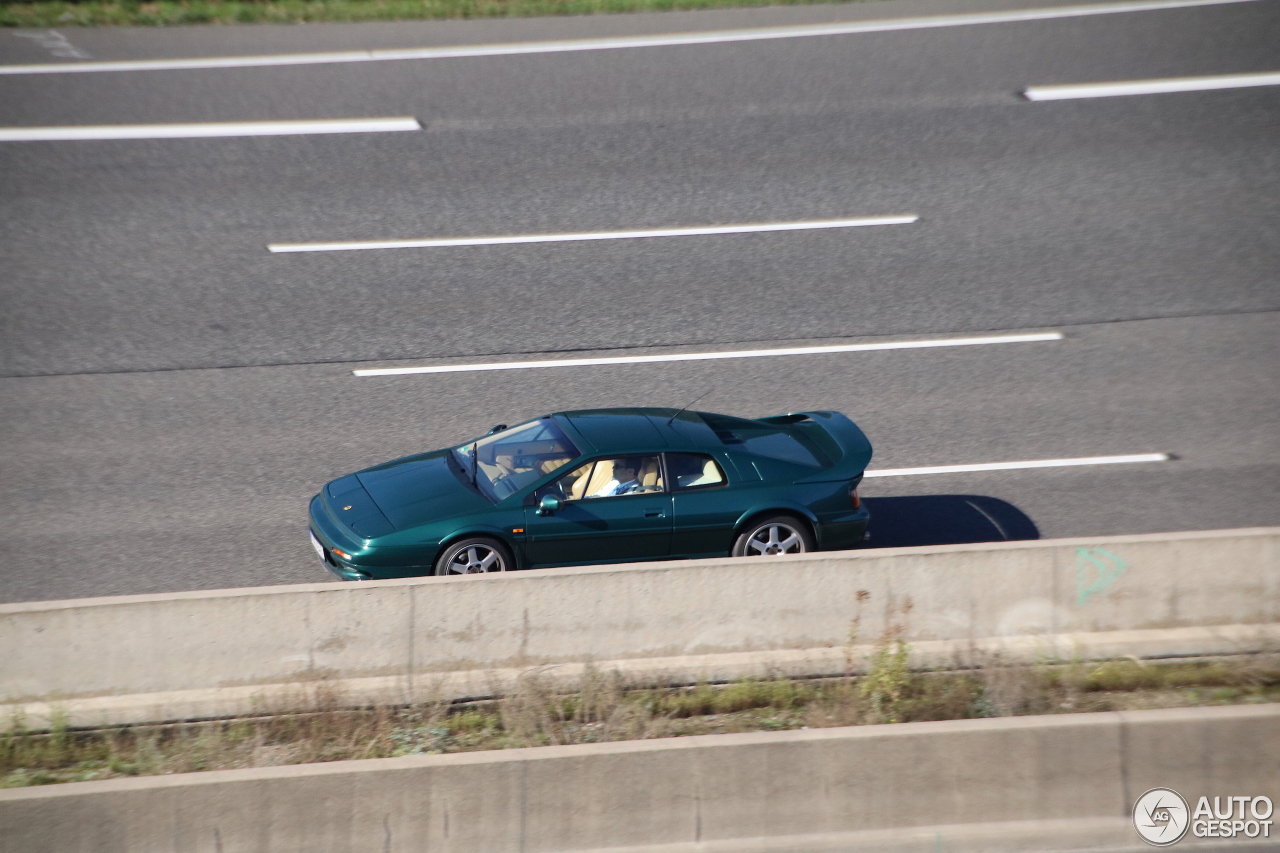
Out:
{"x": 1232, "y": 816}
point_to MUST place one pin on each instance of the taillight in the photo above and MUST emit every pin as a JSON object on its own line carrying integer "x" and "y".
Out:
{"x": 854, "y": 499}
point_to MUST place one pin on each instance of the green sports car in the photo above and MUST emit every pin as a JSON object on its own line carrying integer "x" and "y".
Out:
{"x": 600, "y": 486}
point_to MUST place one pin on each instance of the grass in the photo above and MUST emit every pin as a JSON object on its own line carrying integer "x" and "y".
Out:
{"x": 55, "y": 13}
{"x": 604, "y": 709}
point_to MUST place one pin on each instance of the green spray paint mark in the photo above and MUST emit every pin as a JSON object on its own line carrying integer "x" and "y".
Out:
{"x": 1107, "y": 569}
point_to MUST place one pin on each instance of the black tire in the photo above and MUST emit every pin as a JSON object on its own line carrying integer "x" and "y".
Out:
{"x": 775, "y": 535}
{"x": 475, "y": 555}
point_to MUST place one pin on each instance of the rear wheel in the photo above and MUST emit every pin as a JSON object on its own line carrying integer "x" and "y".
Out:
{"x": 474, "y": 556}
{"x": 771, "y": 537}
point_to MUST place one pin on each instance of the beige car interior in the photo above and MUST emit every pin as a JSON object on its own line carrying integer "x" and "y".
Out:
{"x": 546, "y": 466}
{"x": 586, "y": 480}
{"x": 504, "y": 466}
{"x": 710, "y": 474}
{"x": 507, "y": 453}
{"x": 650, "y": 475}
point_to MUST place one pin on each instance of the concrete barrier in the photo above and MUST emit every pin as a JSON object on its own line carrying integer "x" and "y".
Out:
{"x": 1057, "y": 782}
{"x": 183, "y": 655}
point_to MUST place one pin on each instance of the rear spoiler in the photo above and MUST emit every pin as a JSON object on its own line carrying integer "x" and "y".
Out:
{"x": 854, "y": 447}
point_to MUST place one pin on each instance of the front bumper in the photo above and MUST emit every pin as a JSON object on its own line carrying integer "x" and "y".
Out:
{"x": 335, "y": 566}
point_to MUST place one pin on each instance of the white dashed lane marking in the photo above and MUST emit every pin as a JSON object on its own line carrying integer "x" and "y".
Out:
{"x": 1014, "y": 466}
{"x": 709, "y": 356}
{"x": 700, "y": 231}
{"x": 1152, "y": 87}
{"x": 211, "y": 129}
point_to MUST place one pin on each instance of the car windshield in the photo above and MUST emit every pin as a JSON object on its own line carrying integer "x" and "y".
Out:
{"x": 516, "y": 457}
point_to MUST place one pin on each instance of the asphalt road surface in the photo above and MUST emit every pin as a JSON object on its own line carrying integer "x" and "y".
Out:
{"x": 173, "y": 392}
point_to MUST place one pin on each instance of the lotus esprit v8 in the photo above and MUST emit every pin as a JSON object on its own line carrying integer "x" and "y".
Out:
{"x": 600, "y": 486}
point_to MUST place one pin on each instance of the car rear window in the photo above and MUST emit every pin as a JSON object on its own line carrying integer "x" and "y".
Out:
{"x": 766, "y": 440}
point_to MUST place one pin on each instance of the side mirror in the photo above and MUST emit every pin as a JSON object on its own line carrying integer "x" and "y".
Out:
{"x": 498, "y": 428}
{"x": 548, "y": 505}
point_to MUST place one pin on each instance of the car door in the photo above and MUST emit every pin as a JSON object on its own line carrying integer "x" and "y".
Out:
{"x": 704, "y": 507}
{"x": 603, "y": 517}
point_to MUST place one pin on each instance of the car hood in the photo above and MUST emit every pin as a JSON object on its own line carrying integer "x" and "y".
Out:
{"x": 419, "y": 489}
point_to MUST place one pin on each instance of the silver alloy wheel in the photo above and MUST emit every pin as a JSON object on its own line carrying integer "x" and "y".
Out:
{"x": 474, "y": 559}
{"x": 775, "y": 538}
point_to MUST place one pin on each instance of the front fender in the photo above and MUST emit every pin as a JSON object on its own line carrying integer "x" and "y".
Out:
{"x": 492, "y": 531}
{"x": 476, "y": 530}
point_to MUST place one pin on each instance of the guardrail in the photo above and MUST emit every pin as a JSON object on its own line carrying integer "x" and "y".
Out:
{"x": 201, "y": 654}
{"x": 1022, "y": 783}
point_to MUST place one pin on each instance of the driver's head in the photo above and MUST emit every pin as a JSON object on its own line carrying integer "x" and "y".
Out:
{"x": 626, "y": 469}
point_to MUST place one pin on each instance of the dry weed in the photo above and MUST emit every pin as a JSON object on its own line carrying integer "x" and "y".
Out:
{"x": 604, "y": 708}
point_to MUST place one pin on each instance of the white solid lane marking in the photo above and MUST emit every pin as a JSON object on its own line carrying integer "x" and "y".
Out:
{"x": 711, "y": 356}
{"x": 667, "y": 40}
{"x": 193, "y": 131}
{"x": 593, "y": 235}
{"x": 1013, "y": 466}
{"x": 1151, "y": 87}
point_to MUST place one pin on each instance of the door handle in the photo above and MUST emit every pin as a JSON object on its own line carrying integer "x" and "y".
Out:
{"x": 654, "y": 513}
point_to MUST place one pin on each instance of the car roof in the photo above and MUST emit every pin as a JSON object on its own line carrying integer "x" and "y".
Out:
{"x": 635, "y": 429}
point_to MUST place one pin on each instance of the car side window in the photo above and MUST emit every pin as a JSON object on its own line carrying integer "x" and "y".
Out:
{"x": 610, "y": 477}
{"x": 693, "y": 471}
{"x": 570, "y": 486}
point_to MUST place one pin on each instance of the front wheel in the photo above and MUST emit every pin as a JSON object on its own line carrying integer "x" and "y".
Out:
{"x": 474, "y": 556}
{"x": 781, "y": 534}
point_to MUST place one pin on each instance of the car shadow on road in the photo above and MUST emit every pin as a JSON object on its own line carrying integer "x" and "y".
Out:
{"x": 945, "y": 520}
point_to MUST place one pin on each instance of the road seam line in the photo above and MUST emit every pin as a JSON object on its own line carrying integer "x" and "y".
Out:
{"x": 711, "y": 356}
{"x": 617, "y": 42}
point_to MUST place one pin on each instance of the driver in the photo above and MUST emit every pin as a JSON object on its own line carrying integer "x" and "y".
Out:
{"x": 625, "y": 479}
